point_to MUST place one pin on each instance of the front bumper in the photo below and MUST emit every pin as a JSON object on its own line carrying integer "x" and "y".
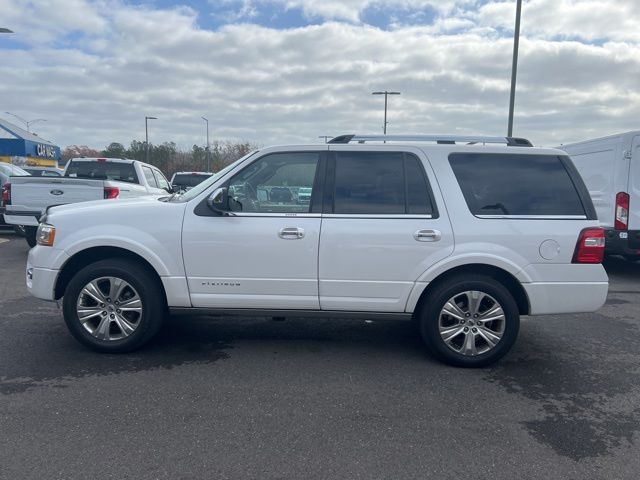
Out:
{"x": 43, "y": 267}
{"x": 41, "y": 282}
{"x": 622, "y": 243}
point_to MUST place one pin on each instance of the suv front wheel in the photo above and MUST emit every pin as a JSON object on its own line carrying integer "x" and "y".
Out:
{"x": 469, "y": 321}
{"x": 114, "y": 305}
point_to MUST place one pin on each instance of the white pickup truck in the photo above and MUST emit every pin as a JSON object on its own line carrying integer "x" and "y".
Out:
{"x": 85, "y": 179}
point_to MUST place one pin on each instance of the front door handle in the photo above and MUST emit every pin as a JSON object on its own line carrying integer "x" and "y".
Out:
{"x": 291, "y": 233}
{"x": 427, "y": 235}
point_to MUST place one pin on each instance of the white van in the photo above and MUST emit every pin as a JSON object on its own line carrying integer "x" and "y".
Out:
{"x": 610, "y": 167}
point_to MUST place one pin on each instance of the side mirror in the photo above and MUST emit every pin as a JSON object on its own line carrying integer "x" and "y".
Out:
{"x": 218, "y": 201}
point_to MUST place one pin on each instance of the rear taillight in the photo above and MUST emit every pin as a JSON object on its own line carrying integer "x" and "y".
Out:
{"x": 590, "y": 246}
{"x": 622, "y": 211}
{"x": 6, "y": 193}
{"x": 111, "y": 192}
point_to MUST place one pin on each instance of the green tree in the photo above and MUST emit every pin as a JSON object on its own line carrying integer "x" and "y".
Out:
{"x": 114, "y": 150}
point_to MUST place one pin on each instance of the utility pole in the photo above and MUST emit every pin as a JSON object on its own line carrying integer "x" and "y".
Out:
{"x": 27, "y": 123}
{"x": 386, "y": 94}
{"x": 514, "y": 67}
{"x": 146, "y": 137}
{"x": 207, "y": 149}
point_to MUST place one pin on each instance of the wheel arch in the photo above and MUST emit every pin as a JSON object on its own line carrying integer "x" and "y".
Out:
{"x": 504, "y": 277}
{"x": 94, "y": 254}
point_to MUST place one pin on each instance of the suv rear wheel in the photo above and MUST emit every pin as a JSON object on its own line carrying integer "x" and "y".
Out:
{"x": 470, "y": 321}
{"x": 114, "y": 305}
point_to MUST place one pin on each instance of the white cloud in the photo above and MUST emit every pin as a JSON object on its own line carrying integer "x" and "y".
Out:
{"x": 277, "y": 86}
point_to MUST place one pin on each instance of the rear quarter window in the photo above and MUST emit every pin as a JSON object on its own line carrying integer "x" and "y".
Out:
{"x": 520, "y": 185}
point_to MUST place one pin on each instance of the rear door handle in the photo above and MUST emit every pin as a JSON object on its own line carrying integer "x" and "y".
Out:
{"x": 291, "y": 233}
{"x": 427, "y": 235}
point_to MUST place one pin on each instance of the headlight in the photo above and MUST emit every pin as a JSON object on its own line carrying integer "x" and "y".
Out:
{"x": 46, "y": 234}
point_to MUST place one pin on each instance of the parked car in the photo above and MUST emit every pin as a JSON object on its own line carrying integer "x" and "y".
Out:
{"x": 184, "y": 181}
{"x": 8, "y": 170}
{"x": 610, "y": 167}
{"x": 44, "y": 171}
{"x": 85, "y": 179}
{"x": 462, "y": 238}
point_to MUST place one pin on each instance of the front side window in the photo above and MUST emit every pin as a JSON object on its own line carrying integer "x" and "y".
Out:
{"x": 276, "y": 183}
{"x": 508, "y": 184}
{"x": 391, "y": 183}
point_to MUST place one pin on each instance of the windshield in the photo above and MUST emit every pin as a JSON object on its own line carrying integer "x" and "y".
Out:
{"x": 198, "y": 189}
{"x": 13, "y": 171}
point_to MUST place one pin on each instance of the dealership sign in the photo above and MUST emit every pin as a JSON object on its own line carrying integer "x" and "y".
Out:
{"x": 47, "y": 151}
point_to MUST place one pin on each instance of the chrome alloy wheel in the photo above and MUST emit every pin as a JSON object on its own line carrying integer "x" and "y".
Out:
{"x": 471, "y": 323}
{"x": 109, "y": 308}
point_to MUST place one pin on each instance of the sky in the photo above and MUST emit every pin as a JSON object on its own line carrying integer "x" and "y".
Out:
{"x": 287, "y": 71}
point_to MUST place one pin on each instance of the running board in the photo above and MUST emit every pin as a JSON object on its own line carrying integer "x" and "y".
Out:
{"x": 255, "y": 312}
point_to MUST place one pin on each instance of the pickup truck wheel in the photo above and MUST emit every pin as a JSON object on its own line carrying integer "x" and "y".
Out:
{"x": 470, "y": 321}
{"x": 30, "y": 235}
{"x": 114, "y": 305}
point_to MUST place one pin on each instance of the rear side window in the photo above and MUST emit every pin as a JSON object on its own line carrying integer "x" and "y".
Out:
{"x": 380, "y": 183}
{"x": 148, "y": 174}
{"x": 121, "y": 172}
{"x": 507, "y": 184}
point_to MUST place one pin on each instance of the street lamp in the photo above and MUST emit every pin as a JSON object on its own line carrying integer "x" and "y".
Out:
{"x": 146, "y": 137}
{"x": 386, "y": 94}
{"x": 514, "y": 67}
{"x": 28, "y": 123}
{"x": 207, "y": 149}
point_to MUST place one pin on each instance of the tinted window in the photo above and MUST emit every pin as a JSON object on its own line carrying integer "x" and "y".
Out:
{"x": 380, "y": 183}
{"x": 148, "y": 174}
{"x": 122, "y": 172}
{"x": 189, "y": 180}
{"x": 278, "y": 183}
{"x": 507, "y": 184}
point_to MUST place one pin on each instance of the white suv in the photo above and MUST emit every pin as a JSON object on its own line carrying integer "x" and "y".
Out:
{"x": 459, "y": 234}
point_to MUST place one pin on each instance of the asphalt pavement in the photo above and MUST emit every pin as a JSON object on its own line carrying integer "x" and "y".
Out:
{"x": 244, "y": 398}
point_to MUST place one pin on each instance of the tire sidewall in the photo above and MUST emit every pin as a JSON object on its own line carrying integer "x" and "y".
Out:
{"x": 429, "y": 320}
{"x": 140, "y": 279}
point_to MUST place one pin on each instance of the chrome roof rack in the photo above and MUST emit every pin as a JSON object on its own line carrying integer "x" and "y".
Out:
{"x": 441, "y": 139}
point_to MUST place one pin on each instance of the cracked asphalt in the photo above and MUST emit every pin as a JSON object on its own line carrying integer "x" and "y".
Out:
{"x": 243, "y": 398}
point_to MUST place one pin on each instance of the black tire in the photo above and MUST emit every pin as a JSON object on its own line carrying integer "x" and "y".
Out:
{"x": 429, "y": 317}
{"x": 148, "y": 287}
{"x": 30, "y": 235}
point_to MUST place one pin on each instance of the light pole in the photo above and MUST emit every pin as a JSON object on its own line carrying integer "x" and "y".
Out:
{"x": 326, "y": 137}
{"x": 146, "y": 137}
{"x": 27, "y": 123}
{"x": 514, "y": 67}
{"x": 386, "y": 94}
{"x": 207, "y": 149}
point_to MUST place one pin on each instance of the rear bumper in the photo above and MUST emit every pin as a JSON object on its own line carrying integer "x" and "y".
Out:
{"x": 622, "y": 243}
{"x": 566, "y": 297}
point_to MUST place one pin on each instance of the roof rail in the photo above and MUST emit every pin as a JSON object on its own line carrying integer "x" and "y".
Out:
{"x": 441, "y": 139}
